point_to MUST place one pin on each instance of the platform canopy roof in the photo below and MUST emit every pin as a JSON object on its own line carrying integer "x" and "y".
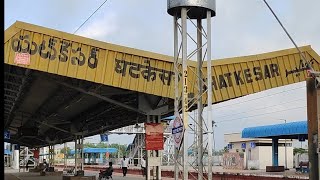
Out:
{"x": 292, "y": 130}
{"x": 59, "y": 86}
{"x": 169, "y": 118}
{"x": 7, "y": 151}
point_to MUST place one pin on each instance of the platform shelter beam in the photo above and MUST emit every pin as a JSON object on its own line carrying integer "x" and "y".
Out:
{"x": 51, "y": 155}
{"x": 79, "y": 154}
{"x": 65, "y": 156}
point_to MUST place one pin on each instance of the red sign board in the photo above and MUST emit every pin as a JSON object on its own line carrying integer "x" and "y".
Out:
{"x": 36, "y": 154}
{"x": 154, "y": 136}
{"x": 22, "y": 58}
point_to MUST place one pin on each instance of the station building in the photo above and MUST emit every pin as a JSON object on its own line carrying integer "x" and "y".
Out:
{"x": 267, "y": 146}
{"x": 257, "y": 153}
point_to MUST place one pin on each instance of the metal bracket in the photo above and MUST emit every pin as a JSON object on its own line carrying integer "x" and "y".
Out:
{"x": 100, "y": 97}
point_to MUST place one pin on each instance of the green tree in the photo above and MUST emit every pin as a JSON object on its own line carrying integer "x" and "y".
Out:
{"x": 121, "y": 148}
{"x": 89, "y": 145}
{"x": 102, "y": 145}
{"x": 225, "y": 149}
{"x": 299, "y": 151}
{"x": 218, "y": 153}
{"x": 63, "y": 150}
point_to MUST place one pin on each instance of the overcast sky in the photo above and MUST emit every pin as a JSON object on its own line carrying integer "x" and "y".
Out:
{"x": 240, "y": 28}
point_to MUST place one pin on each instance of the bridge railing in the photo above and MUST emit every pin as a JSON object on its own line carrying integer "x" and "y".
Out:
{"x": 137, "y": 129}
{"x": 132, "y": 129}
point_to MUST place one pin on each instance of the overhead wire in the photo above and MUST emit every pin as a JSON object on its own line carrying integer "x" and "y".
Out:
{"x": 294, "y": 43}
{"x": 301, "y": 54}
{"x": 304, "y": 58}
{"x": 259, "y": 108}
{"x": 259, "y": 97}
{"x": 234, "y": 119}
{"x": 90, "y": 16}
{"x": 285, "y": 30}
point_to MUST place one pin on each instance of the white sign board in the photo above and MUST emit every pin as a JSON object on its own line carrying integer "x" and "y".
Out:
{"x": 154, "y": 161}
{"x": 177, "y": 131}
{"x": 22, "y": 59}
{"x": 6, "y": 134}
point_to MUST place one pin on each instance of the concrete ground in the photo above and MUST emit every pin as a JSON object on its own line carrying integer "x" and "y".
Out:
{"x": 10, "y": 174}
{"x": 219, "y": 169}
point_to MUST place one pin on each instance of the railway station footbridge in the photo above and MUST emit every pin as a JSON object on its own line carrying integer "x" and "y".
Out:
{"x": 58, "y": 85}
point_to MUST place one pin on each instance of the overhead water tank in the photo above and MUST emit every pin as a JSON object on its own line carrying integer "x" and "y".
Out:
{"x": 196, "y": 8}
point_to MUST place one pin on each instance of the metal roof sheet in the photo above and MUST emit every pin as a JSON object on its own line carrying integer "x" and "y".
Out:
{"x": 124, "y": 67}
{"x": 7, "y": 151}
{"x": 169, "y": 118}
{"x": 292, "y": 128}
{"x": 97, "y": 150}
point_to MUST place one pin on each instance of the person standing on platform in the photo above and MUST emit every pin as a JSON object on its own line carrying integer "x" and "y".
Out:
{"x": 124, "y": 165}
{"x": 45, "y": 164}
{"x": 27, "y": 165}
{"x": 143, "y": 166}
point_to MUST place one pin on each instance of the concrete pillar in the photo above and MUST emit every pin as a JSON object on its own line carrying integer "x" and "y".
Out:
{"x": 313, "y": 130}
{"x": 51, "y": 155}
{"x": 138, "y": 143}
{"x": 11, "y": 156}
{"x": 148, "y": 167}
{"x": 275, "y": 157}
{"x": 318, "y": 114}
{"x": 95, "y": 157}
{"x": 155, "y": 155}
{"x": 15, "y": 162}
{"x": 75, "y": 155}
{"x": 159, "y": 154}
{"x": 79, "y": 153}
{"x": 101, "y": 157}
{"x": 65, "y": 155}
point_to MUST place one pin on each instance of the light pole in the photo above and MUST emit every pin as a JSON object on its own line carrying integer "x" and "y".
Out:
{"x": 285, "y": 148}
{"x": 214, "y": 141}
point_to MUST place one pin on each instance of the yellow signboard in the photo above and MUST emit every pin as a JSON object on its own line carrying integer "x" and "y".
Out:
{"x": 236, "y": 77}
{"x": 60, "y": 53}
